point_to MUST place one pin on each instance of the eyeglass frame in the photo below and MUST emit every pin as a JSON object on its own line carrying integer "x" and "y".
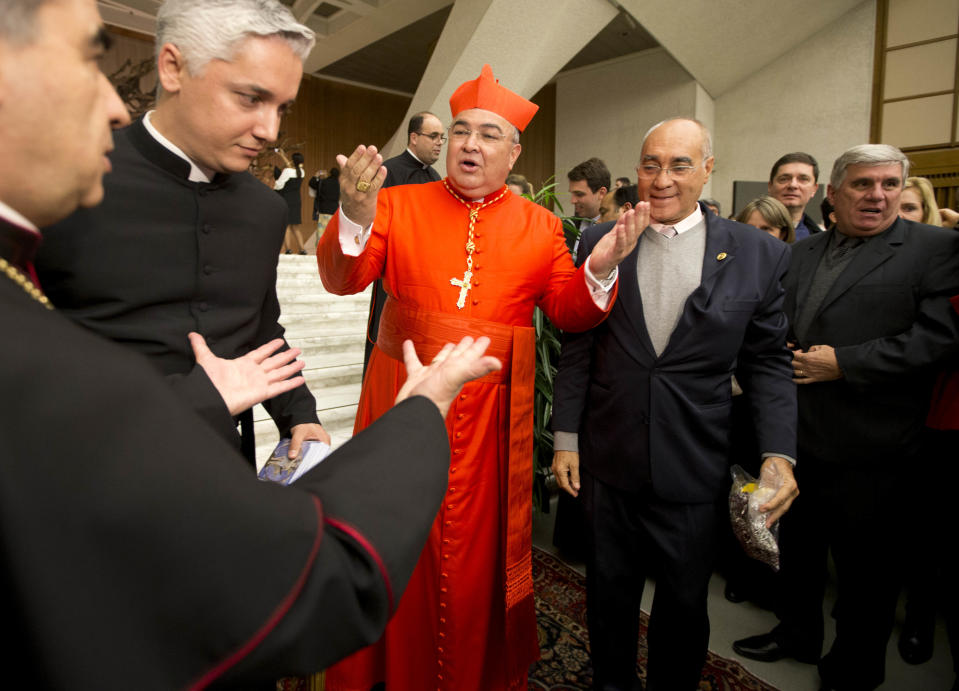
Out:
{"x": 669, "y": 170}
{"x": 485, "y": 137}
{"x": 433, "y": 135}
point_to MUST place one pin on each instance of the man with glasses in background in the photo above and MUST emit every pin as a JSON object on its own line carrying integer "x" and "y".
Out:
{"x": 642, "y": 412}
{"x": 466, "y": 256}
{"x": 425, "y": 139}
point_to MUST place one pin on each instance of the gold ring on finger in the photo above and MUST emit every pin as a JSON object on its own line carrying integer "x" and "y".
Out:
{"x": 362, "y": 186}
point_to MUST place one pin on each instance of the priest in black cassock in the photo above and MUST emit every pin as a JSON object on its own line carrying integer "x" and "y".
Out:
{"x": 187, "y": 239}
{"x": 137, "y": 551}
{"x": 412, "y": 167}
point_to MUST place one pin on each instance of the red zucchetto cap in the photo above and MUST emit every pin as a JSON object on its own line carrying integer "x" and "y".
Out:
{"x": 485, "y": 92}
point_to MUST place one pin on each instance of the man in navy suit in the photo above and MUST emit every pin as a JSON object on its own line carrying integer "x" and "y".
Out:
{"x": 643, "y": 405}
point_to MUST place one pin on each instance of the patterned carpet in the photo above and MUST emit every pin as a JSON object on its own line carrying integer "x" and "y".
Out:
{"x": 564, "y": 660}
{"x": 564, "y": 664}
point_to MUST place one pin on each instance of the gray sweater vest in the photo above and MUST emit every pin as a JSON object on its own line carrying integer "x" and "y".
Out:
{"x": 669, "y": 270}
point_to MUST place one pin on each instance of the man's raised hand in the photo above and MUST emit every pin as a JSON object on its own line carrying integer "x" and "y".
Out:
{"x": 361, "y": 177}
{"x": 616, "y": 245}
{"x": 257, "y": 376}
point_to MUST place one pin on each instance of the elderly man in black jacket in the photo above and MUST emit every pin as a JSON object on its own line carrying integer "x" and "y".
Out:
{"x": 870, "y": 320}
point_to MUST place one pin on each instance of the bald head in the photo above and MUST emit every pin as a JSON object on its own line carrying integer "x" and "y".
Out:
{"x": 707, "y": 139}
{"x": 675, "y": 164}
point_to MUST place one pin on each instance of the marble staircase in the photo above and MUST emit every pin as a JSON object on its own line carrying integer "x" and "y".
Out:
{"x": 331, "y": 331}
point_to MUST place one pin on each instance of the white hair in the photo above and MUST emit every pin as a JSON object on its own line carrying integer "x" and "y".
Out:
{"x": 205, "y": 30}
{"x": 18, "y": 20}
{"x": 868, "y": 155}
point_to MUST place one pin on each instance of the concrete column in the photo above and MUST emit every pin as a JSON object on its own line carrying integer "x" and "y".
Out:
{"x": 526, "y": 43}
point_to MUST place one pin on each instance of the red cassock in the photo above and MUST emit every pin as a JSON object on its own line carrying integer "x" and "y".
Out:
{"x": 466, "y": 620}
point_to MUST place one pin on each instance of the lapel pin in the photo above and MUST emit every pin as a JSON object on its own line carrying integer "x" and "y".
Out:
{"x": 721, "y": 256}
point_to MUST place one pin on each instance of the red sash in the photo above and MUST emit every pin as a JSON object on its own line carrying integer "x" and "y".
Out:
{"x": 515, "y": 347}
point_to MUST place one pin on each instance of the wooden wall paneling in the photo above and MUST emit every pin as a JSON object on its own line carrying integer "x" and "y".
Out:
{"x": 332, "y": 118}
{"x": 942, "y": 170}
{"x": 879, "y": 71}
{"x": 538, "y": 159}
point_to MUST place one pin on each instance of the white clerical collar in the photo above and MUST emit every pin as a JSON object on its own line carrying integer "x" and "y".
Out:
{"x": 410, "y": 152}
{"x": 8, "y": 213}
{"x": 687, "y": 223}
{"x": 197, "y": 173}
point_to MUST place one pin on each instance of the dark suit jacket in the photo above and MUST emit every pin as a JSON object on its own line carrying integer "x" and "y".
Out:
{"x": 162, "y": 256}
{"x": 665, "y": 420}
{"x": 811, "y": 224}
{"x": 889, "y": 318}
{"x": 136, "y": 544}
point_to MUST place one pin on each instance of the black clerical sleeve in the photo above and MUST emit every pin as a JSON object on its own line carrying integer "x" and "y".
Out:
{"x": 137, "y": 552}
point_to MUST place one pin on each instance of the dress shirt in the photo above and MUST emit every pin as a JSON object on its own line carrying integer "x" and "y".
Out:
{"x": 686, "y": 224}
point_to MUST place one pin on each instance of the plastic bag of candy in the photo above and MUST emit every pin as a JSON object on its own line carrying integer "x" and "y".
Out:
{"x": 748, "y": 522}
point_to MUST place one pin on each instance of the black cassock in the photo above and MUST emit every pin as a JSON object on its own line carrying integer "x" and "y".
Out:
{"x": 163, "y": 256}
{"x": 138, "y": 550}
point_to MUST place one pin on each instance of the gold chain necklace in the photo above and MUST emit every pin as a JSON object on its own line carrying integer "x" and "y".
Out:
{"x": 18, "y": 277}
{"x": 464, "y": 284}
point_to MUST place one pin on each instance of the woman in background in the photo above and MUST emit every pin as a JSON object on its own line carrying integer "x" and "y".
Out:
{"x": 918, "y": 202}
{"x": 288, "y": 183}
{"x": 519, "y": 185}
{"x": 769, "y": 215}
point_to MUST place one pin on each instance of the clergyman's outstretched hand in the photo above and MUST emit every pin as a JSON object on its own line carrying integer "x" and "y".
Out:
{"x": 253, "y": 378}
{"x": 441, "y": 380}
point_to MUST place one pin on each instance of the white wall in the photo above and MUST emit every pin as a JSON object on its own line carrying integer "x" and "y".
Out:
{"x": 605, "y": 109}
{"x": 815, "y": 98}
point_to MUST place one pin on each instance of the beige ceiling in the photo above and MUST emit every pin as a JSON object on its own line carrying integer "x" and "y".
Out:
{"x": 387, "y": 44}
{"x": 384, "y": 44}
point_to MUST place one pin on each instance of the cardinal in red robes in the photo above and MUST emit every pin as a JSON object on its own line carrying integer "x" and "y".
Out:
{"x": 465, "y": 256}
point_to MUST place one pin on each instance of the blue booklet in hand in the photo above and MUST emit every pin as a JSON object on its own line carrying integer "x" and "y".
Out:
{"x": 284, "y": 470}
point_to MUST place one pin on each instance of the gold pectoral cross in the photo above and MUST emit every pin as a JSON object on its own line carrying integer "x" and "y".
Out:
{"x": 464, "y": 286}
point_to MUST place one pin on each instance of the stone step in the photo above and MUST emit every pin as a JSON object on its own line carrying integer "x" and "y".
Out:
{"x": 308, "y": 293}
{"x": 319, "y": 379}
{"x": 330, "y": 330}
{"x": 338, "y": 422}
{"x": 330, "y": 351}
{"x": 291, "y": 306}
{"x": 341, "y": 343}
{"x": 301, "y": 325}
{"x": 327, "y": 398}
{"x": 323, "y": 302}
{"x": 288, "y": 281}
{"x": 293, "y": 263}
